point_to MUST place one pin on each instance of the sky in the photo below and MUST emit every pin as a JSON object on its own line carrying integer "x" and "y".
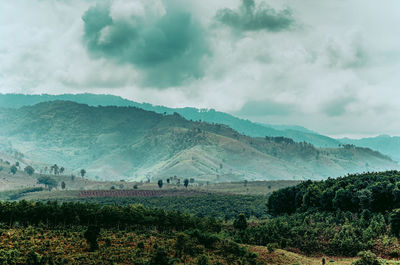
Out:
{"x": 330, "y": 66}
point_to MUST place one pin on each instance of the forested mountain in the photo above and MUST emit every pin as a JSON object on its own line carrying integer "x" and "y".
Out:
{"x": 132, "y": 143}
{"x": 297, "y": 133}
{"x": 385, "y": 144}
{"x": 389, "y": 145}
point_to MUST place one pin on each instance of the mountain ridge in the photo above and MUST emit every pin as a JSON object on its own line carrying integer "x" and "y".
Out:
{"x": 388, "y": 146}
{"x": 132, "y": 143}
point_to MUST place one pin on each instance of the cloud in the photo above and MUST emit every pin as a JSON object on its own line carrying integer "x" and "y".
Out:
{"x": 250, "y": 17}
{"x": 166, "y": 45}
{"x": 265, "y": 108}
{"x": 338, "y": 106}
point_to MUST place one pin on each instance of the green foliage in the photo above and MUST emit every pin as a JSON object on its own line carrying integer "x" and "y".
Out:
{"x": 48, "y": 182}
{"x": 240, "y": 223}
{"x": 91, "y": 235}
{"x": 203, "y": 260}
{"x": 106, "y": 216}
{"x": 29, "y": 170}
{"x": 225, "y": 206}
{"x": 272, "y": 246}
{"x": 13, "y": 169}
{"x": 160, "y": 257}
{"x": 376, "y": 192}
{"x": 367, "y": 258}
{"x": 160, "y": 183}
{"x": 395, "y": 222}
{"x": 186, "y": 183}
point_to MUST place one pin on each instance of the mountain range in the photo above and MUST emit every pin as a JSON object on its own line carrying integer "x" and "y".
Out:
{"x": 131, "y": 143}
{"x": 385, "y": 144}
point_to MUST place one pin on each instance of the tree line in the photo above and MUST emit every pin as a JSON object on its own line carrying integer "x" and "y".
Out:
{"x": 108, "y": 216}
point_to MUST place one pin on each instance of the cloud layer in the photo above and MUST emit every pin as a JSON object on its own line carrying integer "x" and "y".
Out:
{"x": 167, "y": 46}
{"x": 314, "y": 63}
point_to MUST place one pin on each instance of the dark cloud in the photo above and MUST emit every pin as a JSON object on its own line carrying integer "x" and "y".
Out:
{"x": 250, "y": 17}
{"x": 167, "y": 49}
{"x": 265, "y": 108}
{"x": 338, "y": 106}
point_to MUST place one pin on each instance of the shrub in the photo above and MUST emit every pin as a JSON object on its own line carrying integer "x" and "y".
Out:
{"x": 367, "y": 258}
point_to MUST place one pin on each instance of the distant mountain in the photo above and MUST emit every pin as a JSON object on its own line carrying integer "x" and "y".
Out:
{"x": 297, "y": 133}
{"x": 132, "y": 143}
{"x": 385, "y": 144}
{"x": 388, "y": 145}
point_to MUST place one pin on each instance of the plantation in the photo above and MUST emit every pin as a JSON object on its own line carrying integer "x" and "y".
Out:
{"x": 223, "y": 206}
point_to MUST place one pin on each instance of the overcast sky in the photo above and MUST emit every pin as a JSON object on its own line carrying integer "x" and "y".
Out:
{"x": 331, "y": 66}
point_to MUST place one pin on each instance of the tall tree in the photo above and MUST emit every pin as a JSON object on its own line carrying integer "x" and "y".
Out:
{"x": 160, "y": 183}
{"x": 83, "y": 172}
{"x": 186, "y": 183}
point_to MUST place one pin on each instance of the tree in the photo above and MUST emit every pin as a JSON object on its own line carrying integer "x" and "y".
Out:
{"x": 395, "y": 222}
{"x": 48, "y": 182}
{"x": 55, "y": 169}
{"x": 91, "y": 235}
{"x": 203, "y": 260}
{"x": 186, "y": 183}
{"x": 160, "y": 257}
{"x": 83, "y": 172}
{"x": 62, "y": 169}
{"x": 168, "y": 180}
{"x": 240, "y": 222}
{"x": 29, "y": 170}
{"x": 160, "y": 183}
{"x": 13, "y": 169}
{"x": 63, "y": 185}
{"x": 17, "y": 164}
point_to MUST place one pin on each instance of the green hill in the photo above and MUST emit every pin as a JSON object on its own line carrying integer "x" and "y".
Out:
{"x": 132, "y": 143}
{"x": 297, "y": 133}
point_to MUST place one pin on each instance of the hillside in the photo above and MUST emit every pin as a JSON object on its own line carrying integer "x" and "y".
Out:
{"x": 385, "y": 144}
{"x": 131, "y": 143}
{"x": 297, "y": 133}
{"x": 389, "y": 145}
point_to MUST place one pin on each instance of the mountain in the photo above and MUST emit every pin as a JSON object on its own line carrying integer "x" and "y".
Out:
{"x": 388, "y": 145}
{"x": 297, "y": 133}
{"x": 385, "y": 144}
{"x": 132, "y": 143}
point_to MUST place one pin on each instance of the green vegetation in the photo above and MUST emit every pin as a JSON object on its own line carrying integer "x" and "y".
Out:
{"x": 337, "y": 217}
{"x": 131, "y": 143}
{"x": 224, "y": 206}
{"x": 54, "y": 233}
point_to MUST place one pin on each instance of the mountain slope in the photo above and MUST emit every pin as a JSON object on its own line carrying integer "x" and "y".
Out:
{"x": 388, "y": 145}
{"x": 297, "y": 133}
{"x": 131, "y": 143}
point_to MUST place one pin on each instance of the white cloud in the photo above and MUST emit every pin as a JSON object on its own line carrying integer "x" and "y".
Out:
{"x": 335, "y": 55}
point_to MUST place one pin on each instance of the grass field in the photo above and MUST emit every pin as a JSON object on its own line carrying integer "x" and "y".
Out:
{"x": 284, "y": 257}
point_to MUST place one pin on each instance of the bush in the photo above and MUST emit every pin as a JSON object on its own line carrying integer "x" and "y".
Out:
{"x": 367, "y": 258}
{"x": 203, "y": 260}
{"x": 272, "y": 246}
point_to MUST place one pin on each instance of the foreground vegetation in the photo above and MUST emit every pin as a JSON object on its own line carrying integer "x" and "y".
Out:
{"x": 336, "y": 217}
{"x": 303, "y": 224}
